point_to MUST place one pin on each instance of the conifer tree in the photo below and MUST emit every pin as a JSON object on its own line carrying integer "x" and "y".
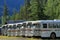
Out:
{"x": 5, "y": 14}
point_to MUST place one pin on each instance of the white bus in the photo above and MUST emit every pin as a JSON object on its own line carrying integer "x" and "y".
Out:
{"x": 10, "y": 29}
{"x": 43, "y": 28}
{"x": 19, "y": 29}
{"x": 50, "y": 28}
{"x": 31, "y": 27}
{"x": 36, "y": 28}
{"x": 28, "y": 30}
{"x": 15, "y": 29}
{"x": 4, "y": 30}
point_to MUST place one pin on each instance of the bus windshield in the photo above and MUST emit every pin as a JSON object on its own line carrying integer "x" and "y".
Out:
{"x": 10, "y": 26}
{"x": 19, "y": 25}
{"x": 4, "y": 27}
{"x": 29, "y": 25}
{"x": 36, "y": 25}
{"x": 14, "y": 26}
{"x": 24, "y": 25}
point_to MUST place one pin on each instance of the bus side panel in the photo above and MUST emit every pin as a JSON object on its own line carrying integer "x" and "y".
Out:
{"x": 48, "y": 33}
{"x": 57, "y": 33}
{"x": 45, "y": 34}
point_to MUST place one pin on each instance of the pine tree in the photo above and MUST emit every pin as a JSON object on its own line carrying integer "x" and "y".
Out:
{"x": 24, "y": 11}
{"x": 21, "y": 13}
{"x": 34, "y": 9}
{"x": 17, "y": 16}
{"x": 57, "y": 10}
{"x": 14, "y": 14}
{"x": 5, "y": 14}
{"x": 41, "y": 14}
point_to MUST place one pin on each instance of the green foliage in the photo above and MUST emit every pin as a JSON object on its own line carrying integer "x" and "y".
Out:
{"x": 52, "y": 8}
{"x": 35, "y": 10}
{"x": 24, "y": 11}
{"x": 15, "y": 15}
{"x": 5, "y": 14}
{"x": 37, "y": 7}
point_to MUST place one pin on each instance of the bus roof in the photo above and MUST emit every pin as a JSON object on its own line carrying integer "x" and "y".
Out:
{"x": 49, "y": 21}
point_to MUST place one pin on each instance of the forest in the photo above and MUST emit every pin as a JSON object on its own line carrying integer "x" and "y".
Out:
{"x": 34, "y": 10}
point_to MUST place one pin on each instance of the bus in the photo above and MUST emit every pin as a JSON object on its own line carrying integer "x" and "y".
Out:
{"x": 28, "y": 31}
{"x": 50, "y": 28}
{"x": 10, "y": 29}
{"x": 4, "y": 30}
{"x": 36, "y": 28}
{"x": 15, "y": 29}
{"x": 42, "y": 28}
{"x": 31, "y": 27}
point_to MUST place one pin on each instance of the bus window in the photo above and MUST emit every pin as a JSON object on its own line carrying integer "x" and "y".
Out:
{"x": 29, "y": 25}
{"x": 36, "y": 25}
{"x": 55, "y": 25}
{"x": 3, "y": 27}
{"x": 33, "y": 26}
{"x": 24, "y": 25}
{"x": 14, "y": 26}
{"x": 10, "y": 26}
{"x": 7, "y": 26}
{"x": 58, "y": 26}
{"x": 44, "y": 25}
{"x": 50, "y": 25}
{"x": 19, "y": 25}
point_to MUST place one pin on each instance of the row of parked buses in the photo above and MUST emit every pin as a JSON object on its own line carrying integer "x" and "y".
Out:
{"x": 42, "y": 28}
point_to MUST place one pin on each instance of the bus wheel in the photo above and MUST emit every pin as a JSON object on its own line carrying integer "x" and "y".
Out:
{"x": 53, "y": 35}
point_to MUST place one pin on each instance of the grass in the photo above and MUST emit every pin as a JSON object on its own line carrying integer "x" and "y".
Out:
{"x": 7, "y": 37}
{"x": 33, "y": 38}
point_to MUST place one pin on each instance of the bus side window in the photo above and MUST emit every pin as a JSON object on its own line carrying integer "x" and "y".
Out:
{"x": 50, "y": 25}
{"x": 38, "y": 25}
{"x": 58, "y": 26}
{"x": 44, "y": 25}
{"x": 55, "y": 25}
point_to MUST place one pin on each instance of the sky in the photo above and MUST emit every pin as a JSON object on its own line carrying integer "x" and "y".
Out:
{"x": 11, "y": 4}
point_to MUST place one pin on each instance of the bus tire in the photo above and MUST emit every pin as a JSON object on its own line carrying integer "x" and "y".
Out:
{"x": 53, "y": 35}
